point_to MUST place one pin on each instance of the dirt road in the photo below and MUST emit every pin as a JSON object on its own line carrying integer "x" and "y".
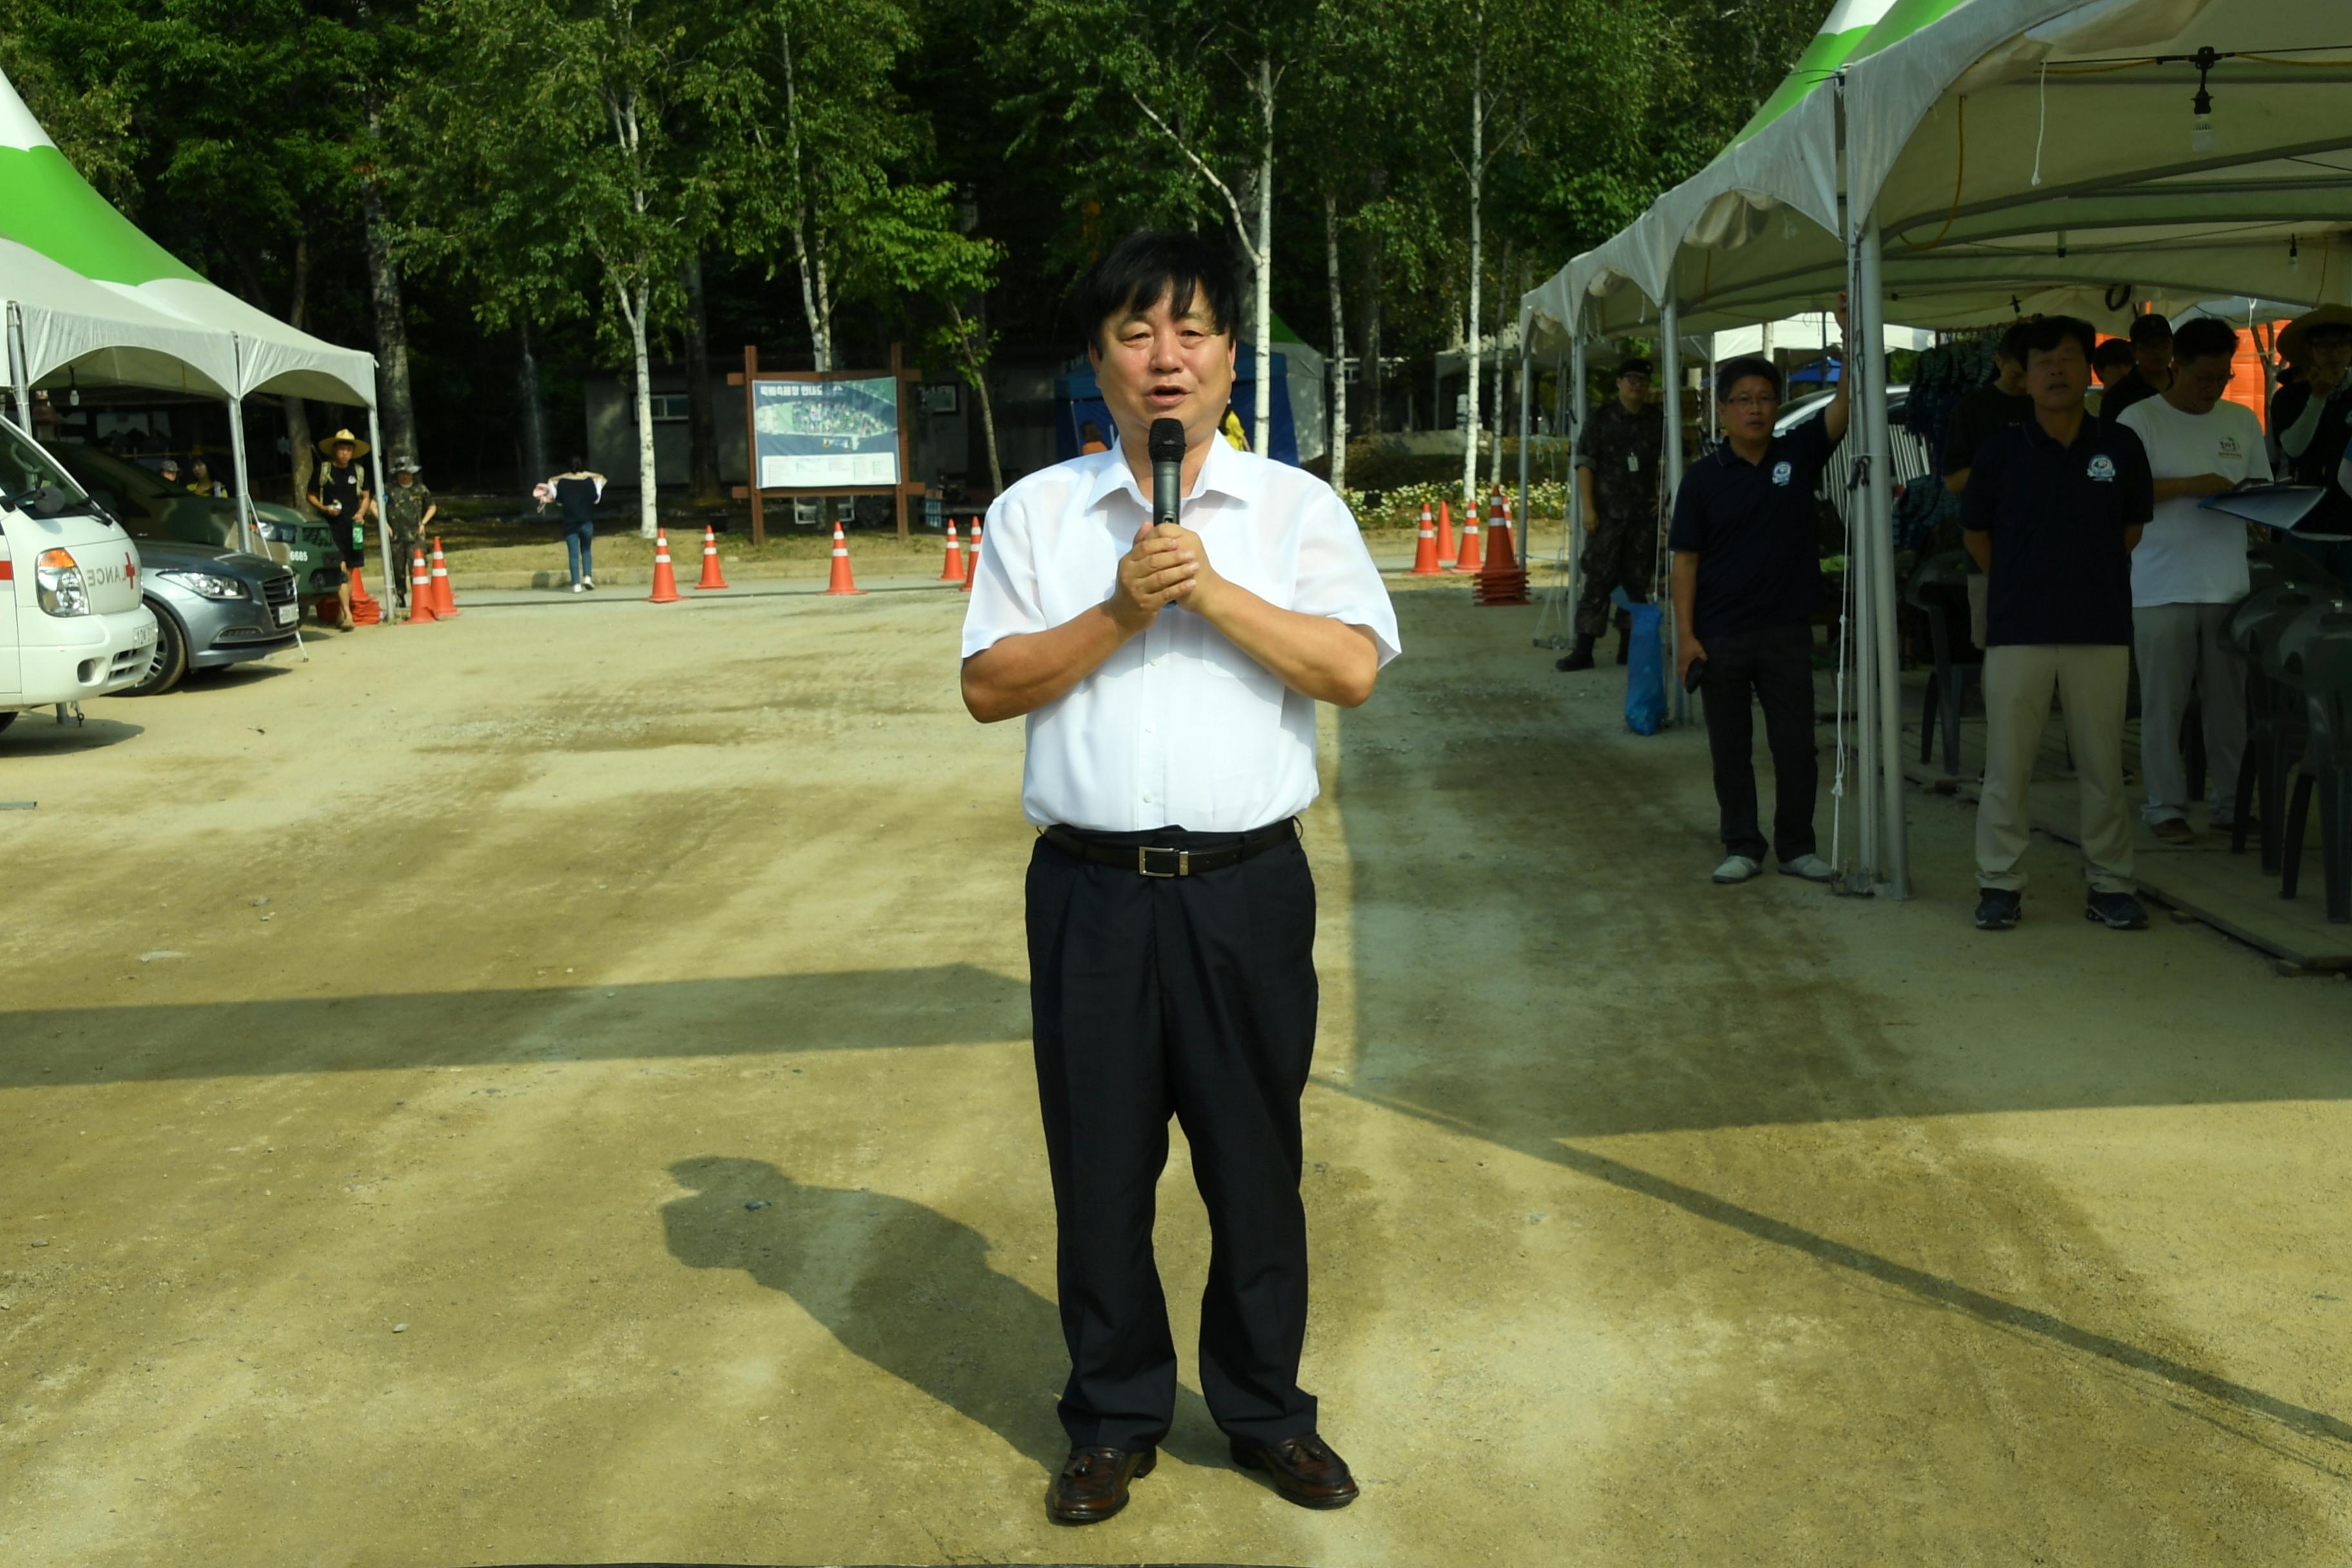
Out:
{"x": 554, "y": 1087}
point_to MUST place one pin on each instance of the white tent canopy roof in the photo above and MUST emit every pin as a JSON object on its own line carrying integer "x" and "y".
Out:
{"x": 2024, "y": 154}
{"x": 97, "y": 296}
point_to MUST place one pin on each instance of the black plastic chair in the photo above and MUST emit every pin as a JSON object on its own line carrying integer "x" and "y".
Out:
{"x": 2324, "y": 654}
{"x": 1938, "y": 589}
{"x": 2274, "y": 720}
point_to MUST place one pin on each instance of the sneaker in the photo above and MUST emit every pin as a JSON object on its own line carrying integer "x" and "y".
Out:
{"x": 589, "y": 583}
{"x": 1998, "y": 909}
{"x": 575, "y": 587}
{"x": 1568, "y": 663}
{"x": 1736, "y": 869}
{"x": 2116, "y": 911}
{"x": 1811, "y": 868}
{"x": 2174, "y": 830}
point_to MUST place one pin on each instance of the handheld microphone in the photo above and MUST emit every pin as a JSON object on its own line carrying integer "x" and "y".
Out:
{"x": 1167, "y": 449}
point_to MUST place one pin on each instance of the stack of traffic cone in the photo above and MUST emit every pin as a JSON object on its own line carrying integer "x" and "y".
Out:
{"x": 1467, "y": 560}
{"x": 665, "y": 580}
{"x": 1501, "y": 580}
{"x": 420, "y": 592}
{"x": 843, "y": 583}
{"x": 1424, "y": 555}
{"x": 1444, "y": 536}
{"x": 711, "y": 574}
{"x": 972, "y": 565}
{"x": 444, "y": 602}
{"x": 365, "y": 611}
{"x": 954, "y": 571}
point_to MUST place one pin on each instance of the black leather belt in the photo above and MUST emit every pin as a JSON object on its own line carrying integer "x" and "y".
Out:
{"x": 1154, "y": 860}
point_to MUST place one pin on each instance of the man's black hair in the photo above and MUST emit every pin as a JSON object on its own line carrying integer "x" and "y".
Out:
{"x": 2049, "y": 332}
{"x": 2148, "y": 331}
{"x": 1634, "y": 364}
{"x": 1732, "y": 372}
{"x": 2012, "y": 346}
{"x": 2114, "y": 351}
{"x": 1139, "y": 270}
{"x": 2203, "y": 339}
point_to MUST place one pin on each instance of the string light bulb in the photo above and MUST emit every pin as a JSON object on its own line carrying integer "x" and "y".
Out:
{"x": 2200, "y": 124}
{"x": 73, "y": 389}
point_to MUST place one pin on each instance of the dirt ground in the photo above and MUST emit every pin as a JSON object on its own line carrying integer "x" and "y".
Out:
{"x": 554, "y": 1087}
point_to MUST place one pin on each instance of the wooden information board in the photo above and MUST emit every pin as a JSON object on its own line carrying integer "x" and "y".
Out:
{"x": 810, "y": 433}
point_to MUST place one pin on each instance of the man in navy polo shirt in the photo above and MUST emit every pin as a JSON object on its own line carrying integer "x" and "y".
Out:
{"x": 1747, "y": 576}
{"x": 2052, "y": 511}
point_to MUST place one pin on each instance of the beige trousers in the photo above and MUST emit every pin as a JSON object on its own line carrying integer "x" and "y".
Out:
{"x": 2092, "y": 680}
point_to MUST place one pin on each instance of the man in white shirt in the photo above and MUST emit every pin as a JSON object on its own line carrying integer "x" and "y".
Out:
{"x": 1170, "y": 674}
{"x": 2191, "y": 567}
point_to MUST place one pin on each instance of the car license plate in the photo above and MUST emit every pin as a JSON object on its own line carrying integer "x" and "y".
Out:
{"x": 288, "y": 614}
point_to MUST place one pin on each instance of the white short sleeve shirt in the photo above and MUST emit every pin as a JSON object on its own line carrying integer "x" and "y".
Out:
{"x": 2190, "y": 554}
{"x": 1179, "y": 728}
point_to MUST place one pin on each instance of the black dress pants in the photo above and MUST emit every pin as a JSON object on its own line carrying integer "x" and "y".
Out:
{"x": 1774, "y": 664}
{"x": 1193, "y": 997}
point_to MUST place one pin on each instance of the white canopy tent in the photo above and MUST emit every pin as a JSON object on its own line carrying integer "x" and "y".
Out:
{"x": 1974, "y": 160}
{"x": 87, "y": 293}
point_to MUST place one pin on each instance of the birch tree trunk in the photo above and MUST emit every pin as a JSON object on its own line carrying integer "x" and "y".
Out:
{"x": 1338, "y": 422}
{"x": 1477, "y": 237}
{"x": 635, "y": 301}
{"x": 1375, "y": 273}
{"x": 1263, "y": 437}
{"x": 808, "y": 244}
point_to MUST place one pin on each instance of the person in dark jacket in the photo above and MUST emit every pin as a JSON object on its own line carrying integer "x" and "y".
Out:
{"x": 576, "y": 493}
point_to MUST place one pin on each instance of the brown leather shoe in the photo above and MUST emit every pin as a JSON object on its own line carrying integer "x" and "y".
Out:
{"x": 1092, "y": 1483}
{"x": 1303, "y": 1469}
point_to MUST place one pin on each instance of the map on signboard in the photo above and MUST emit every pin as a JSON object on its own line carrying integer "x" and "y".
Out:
{"x": 822, "y": 434}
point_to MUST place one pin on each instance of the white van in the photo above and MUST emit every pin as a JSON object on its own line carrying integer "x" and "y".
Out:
{"x": 71, "y": 622}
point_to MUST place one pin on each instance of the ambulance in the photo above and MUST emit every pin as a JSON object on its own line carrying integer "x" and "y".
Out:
{"x": 72, "y": 624}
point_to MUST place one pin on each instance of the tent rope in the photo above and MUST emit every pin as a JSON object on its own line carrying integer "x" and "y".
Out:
{"x": 1960, "y": 175}
{"x": 2042, "y": 127}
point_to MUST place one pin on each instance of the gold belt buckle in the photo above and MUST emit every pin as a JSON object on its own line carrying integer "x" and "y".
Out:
{"x": 1143, "y": 861}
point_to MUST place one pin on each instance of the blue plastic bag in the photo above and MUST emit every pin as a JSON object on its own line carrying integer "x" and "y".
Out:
{"x": 1645, "y": 679}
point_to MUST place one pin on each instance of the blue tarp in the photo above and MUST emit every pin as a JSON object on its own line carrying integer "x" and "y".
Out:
{"x": 1077, "y": 399}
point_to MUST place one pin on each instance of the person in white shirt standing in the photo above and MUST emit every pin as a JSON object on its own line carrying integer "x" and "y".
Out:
{"x": 1169, "y": 673}
{"x": 2191, "y": 567}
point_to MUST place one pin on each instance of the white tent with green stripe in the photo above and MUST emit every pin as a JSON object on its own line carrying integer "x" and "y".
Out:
{"x": 91, "y": 297}
{"x": 91, "y": 292}
{"x": 1959, "y": 163}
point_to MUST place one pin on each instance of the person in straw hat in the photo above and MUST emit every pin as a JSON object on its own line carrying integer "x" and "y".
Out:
{"x": 339, "y": 491}
{"x": 2311, "y": 418}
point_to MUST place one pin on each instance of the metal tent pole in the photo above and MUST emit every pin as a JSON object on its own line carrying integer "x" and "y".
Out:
{"x": 236, "y": 451}
{"x": 1670, "y": 374}
{"x": 17, "y": 376}
{"x": 1527, "y": 384}
{"x": 1879, "y": 584}
{"x": 382, "y": 529}
{"x": 1572, "y": 405}
{"x": 1861, "y": 389}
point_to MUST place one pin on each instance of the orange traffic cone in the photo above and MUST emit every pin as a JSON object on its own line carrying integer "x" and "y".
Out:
{"x": 711, "y": 578}
{"x": 420, "y": 592}
{"x": 972, "y": 563}
{"x": 365, "y": 611}
{"x": 1444, "y": 536}
{"x": 954, "y": 571}
{"x": 1424, "y": 555}
{"x": 1501, "y": 580}
{"x": 1467, "y": 560}
{"x": 843, "y": 583}
{"x": 665, "y": 580}
{"x": 444, "y": 602}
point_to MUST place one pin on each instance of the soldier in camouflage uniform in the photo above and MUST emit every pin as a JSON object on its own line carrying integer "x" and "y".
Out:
{"x": 408, "y": 509}
{"x": 1617, "y": 477}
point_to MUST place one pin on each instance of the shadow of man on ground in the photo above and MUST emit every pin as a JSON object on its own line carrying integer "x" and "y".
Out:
{"x": 905, "y": 1287}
